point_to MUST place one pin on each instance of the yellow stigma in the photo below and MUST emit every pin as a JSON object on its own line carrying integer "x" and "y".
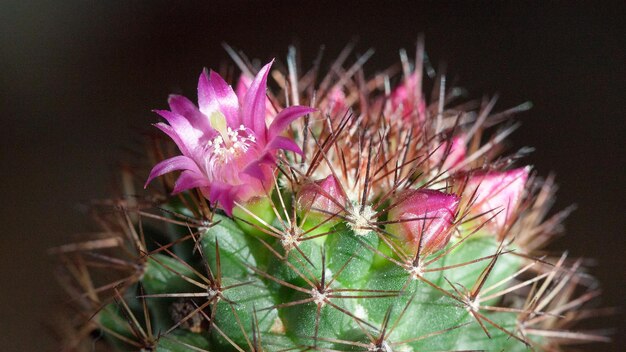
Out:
{"x": 218, "y": 122}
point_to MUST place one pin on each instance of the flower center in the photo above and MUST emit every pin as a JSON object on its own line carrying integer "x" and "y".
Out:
{"x": 226, "y": 147}
{"x": 231, "y": 144}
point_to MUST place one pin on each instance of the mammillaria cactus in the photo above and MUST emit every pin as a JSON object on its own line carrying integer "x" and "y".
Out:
{"x": 334, "y": 213}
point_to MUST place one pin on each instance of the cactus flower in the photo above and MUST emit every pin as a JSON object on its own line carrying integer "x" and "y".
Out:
{"x": 228, "y": 152}
{"x": 424, "y": 216}
{"x": 496, "y": 194}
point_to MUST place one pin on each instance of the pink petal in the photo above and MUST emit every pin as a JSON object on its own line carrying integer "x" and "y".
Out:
{"x": 225, "y": 195}
{"x": 214, "y": 94}
{"x": 253, "y": 109}
{"x": 242, "y": 87}
{"x": 280, "y": 142}
{"x": 168, "y": 130}
{"x": 188, "y": 135}
{"x": 172, "y": 164}
{"x": 183, "y": 106}
{"x": 255, "y": 168}
{"x": 188, "y": 180}
{"x": 285, "y": 117}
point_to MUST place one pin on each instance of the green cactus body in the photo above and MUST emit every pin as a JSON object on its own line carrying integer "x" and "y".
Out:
{"x": 393, "y": 230}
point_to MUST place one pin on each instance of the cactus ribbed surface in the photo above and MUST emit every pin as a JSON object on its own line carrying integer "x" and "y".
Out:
{"x": 330, "y": 212}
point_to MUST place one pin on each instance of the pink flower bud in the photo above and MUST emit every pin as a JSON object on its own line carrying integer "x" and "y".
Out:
{"x": 455, "y": 155}
{"x": 337, "y": 105}
{"x": 324, "y": 196}
{"x": 424, "y": 216}
{"x": 497, "y": 194}
{"x": 407, "y": 101}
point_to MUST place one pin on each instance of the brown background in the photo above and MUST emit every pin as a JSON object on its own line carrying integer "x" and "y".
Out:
{"x": 79, "y": 78}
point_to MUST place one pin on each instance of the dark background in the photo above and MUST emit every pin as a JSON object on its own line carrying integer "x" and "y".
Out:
{"x": 79, "y": 78}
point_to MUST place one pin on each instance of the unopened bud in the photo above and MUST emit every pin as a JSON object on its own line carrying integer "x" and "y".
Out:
{"x": 424, "y": 217}
{"x": 453, "y": 154}
{"x": 322, "y": 196}
{"x": 496, "y": 194}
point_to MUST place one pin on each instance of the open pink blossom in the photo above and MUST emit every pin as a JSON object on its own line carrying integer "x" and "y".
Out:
{"x": 496, "y": 194}
{"x": 228, "y": 152}
{"x": 424, "y": 217}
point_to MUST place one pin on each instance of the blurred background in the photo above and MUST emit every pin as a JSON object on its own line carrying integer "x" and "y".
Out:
{"x": 79, "y": 78}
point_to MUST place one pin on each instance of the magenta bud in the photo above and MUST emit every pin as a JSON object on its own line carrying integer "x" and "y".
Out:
{"x": 455, "y": 153}
{"x": 324, "y": 196}
{"x": 337, "y": 104}
{"x": 407, "y": 100}
{"x": 424, "y": 217}
{"x": 496, "y": 194}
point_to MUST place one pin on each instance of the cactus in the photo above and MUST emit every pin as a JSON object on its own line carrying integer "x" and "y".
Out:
{"x": 334, "y": 213}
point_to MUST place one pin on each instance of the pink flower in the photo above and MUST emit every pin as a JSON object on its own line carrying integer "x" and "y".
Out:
{"x": 324, "y": 196}
{"x": 228, "y": 152}
{"x": 424, "y": 216}
{"x": 496, "y": 194}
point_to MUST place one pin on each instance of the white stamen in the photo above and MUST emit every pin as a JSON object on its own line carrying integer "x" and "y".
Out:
{"x": 228, "y": 145}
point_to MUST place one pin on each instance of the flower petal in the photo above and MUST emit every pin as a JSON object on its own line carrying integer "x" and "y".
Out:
{"x": 188, "y": 135}
{"x": 225, "y": 195}
{"x": 180, "y": 162}
{"x": 255, "y": 168}
{"x": 188, "y": 180}
{"x": 168, "y": 130}
{"x": 183, "y": 106}
{"x": 285, "y": 117}
{"x": 214, "y": 94}
{"x": 253, "y": 109}
{"x": 242, "y": 87}
{"x": 280, "y": 142}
